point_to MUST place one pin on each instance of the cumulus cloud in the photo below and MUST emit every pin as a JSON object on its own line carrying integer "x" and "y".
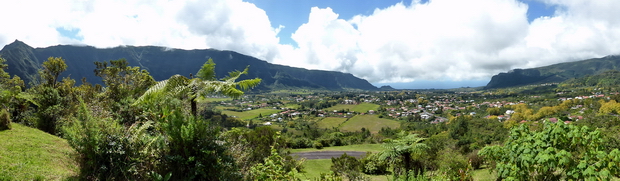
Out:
{"x": 434, "y": 40}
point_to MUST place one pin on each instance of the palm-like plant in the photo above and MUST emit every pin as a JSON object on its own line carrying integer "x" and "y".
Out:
{"x": 402, "y": 153}
{"x": 204, "y": 83}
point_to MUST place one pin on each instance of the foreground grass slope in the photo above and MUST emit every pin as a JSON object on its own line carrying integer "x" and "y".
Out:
{"x": 30, "y": 154}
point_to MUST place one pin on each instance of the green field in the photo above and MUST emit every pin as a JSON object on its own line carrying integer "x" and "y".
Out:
{"x": 371, "y": 122}
{"x": 331, "y": 122}
{"x": 361, "y": 108}
{"x": 364, "y": 148}
{"x": 252, "y": 113}
{"x": 30, "y": 154}
{"x": 219, "y": 99}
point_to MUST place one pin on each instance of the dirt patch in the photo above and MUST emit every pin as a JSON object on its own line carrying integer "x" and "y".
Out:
{"x": 327, "y": 154}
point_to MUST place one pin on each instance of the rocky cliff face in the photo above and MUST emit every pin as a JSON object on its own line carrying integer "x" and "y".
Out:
{"x": 163, "y": 62}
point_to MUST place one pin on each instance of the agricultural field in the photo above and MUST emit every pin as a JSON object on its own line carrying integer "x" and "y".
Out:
{"x": 361, "y": 108}
{"x": 331, "y": 122}
{"x": 371, "y": 122}
{"x": 215, "y": 99}
{"x": 361, "y": 147}
{"x": 251, "y": 113}
{"x": 30, "y": 154}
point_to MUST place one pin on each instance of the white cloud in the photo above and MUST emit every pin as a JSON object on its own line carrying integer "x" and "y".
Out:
{"x": 437, "y": 40}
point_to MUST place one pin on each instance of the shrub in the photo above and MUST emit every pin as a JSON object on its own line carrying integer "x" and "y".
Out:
{"x": 373, "y": 165}
{"x": 5, "y": 120}
{"x": 475, "y": 159}
{"x": 108, "y": 150}
{"x": 347, "y": 166}
{"x": 193, "y": 151}
{"x": 317, "y": 145}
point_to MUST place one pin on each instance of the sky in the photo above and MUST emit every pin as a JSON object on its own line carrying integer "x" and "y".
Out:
{"x": 407, "y": 44}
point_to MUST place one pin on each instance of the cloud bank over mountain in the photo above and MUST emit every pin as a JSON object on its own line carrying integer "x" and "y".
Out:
{"x": 435, "y": 40}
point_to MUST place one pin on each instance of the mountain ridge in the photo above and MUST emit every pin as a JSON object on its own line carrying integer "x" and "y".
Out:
{"x": 163, "y": 62}
{"x": 555, "y": 73}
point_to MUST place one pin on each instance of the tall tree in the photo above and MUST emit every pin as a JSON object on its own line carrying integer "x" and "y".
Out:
{"x": 205, "y": 83}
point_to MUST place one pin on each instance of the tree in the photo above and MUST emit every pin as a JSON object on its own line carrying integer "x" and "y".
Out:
{"x": 404, "y": 153}
{"x": 123, "y": 81}
{"x": 557, "y": 152}
{"x": 52, "y": 68}
{"x": 205, "y": 83}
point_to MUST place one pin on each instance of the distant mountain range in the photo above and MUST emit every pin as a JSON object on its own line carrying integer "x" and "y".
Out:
{"x": 162, "y": 62}
{"x": 555, "y": 73}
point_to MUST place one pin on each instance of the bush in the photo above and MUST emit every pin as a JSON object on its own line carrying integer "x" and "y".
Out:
{"x": 317, "y": 145}
{"x": 108, "y": 150}
{"x": 347, "y": 166}
{"x": 5, "y": 120}
{"x": 373, "y": 165}
{"x": 454, "y": 165}
{"x": 475, "y": 159}
{"x": 193, "y": 151}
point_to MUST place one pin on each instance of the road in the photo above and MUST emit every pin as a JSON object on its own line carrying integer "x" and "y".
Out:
{"x": 327, "y": 154}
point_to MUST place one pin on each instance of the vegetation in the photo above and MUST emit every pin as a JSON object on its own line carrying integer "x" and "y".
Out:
{"x": 556, "y": 151}
{"x": 30, "y": 154}
{"x": 370, "y": 122}
{"x": 203, "y": 127}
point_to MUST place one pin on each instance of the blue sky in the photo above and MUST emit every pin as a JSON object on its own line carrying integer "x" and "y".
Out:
{"x": 408, "y": 44}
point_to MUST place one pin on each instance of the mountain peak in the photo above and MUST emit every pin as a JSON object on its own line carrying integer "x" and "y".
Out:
{"x": 16, "y": 44}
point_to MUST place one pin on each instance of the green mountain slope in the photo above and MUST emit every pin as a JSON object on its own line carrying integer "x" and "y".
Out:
{"x": 555, "y": 73}
{"x": 162, "y": 63}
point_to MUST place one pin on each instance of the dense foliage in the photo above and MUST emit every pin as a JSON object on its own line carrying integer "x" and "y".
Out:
{"x": 554, "y": 151}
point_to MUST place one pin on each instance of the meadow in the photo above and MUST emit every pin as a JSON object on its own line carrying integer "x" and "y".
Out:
{"x": 360, "y": 108}
{"x": 371, "y": 122}
{"x": 251, "y": 114}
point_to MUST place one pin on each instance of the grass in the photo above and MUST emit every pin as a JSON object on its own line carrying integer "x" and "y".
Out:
{"x": 371, "y": 122}
{"x": 361, "y": 108}
{"x": 483, "y": 175}
{"x": 252, "y": 113}
{"x": 314, "y": 168}
{"x": 363, "y": 147}
{"x": 214, "y": 99}
{"x": 365, "y": 107}
{"x": 30, "y": 154}
{"x": 330, "y": 122}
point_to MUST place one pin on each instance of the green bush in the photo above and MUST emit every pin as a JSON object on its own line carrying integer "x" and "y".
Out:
{"x": 193, "y": 149}
{"x": 108, "y": 150}
{"x": 454, "y": 165}
{"x": 373, "y": 165}
{"x": 317, "y": 145}
{"x": 5, "y": 120}
{"x": 347, "y": 166}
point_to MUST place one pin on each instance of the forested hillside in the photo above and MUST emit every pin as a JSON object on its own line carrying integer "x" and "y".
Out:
{"x": 164, "y": 62}
{"x": 555, "y": 73}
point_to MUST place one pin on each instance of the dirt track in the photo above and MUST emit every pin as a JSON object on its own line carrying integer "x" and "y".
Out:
{"x": 327, "y": 154}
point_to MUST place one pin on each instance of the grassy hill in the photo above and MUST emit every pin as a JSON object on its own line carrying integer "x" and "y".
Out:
{"x": 30, "y": 154}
